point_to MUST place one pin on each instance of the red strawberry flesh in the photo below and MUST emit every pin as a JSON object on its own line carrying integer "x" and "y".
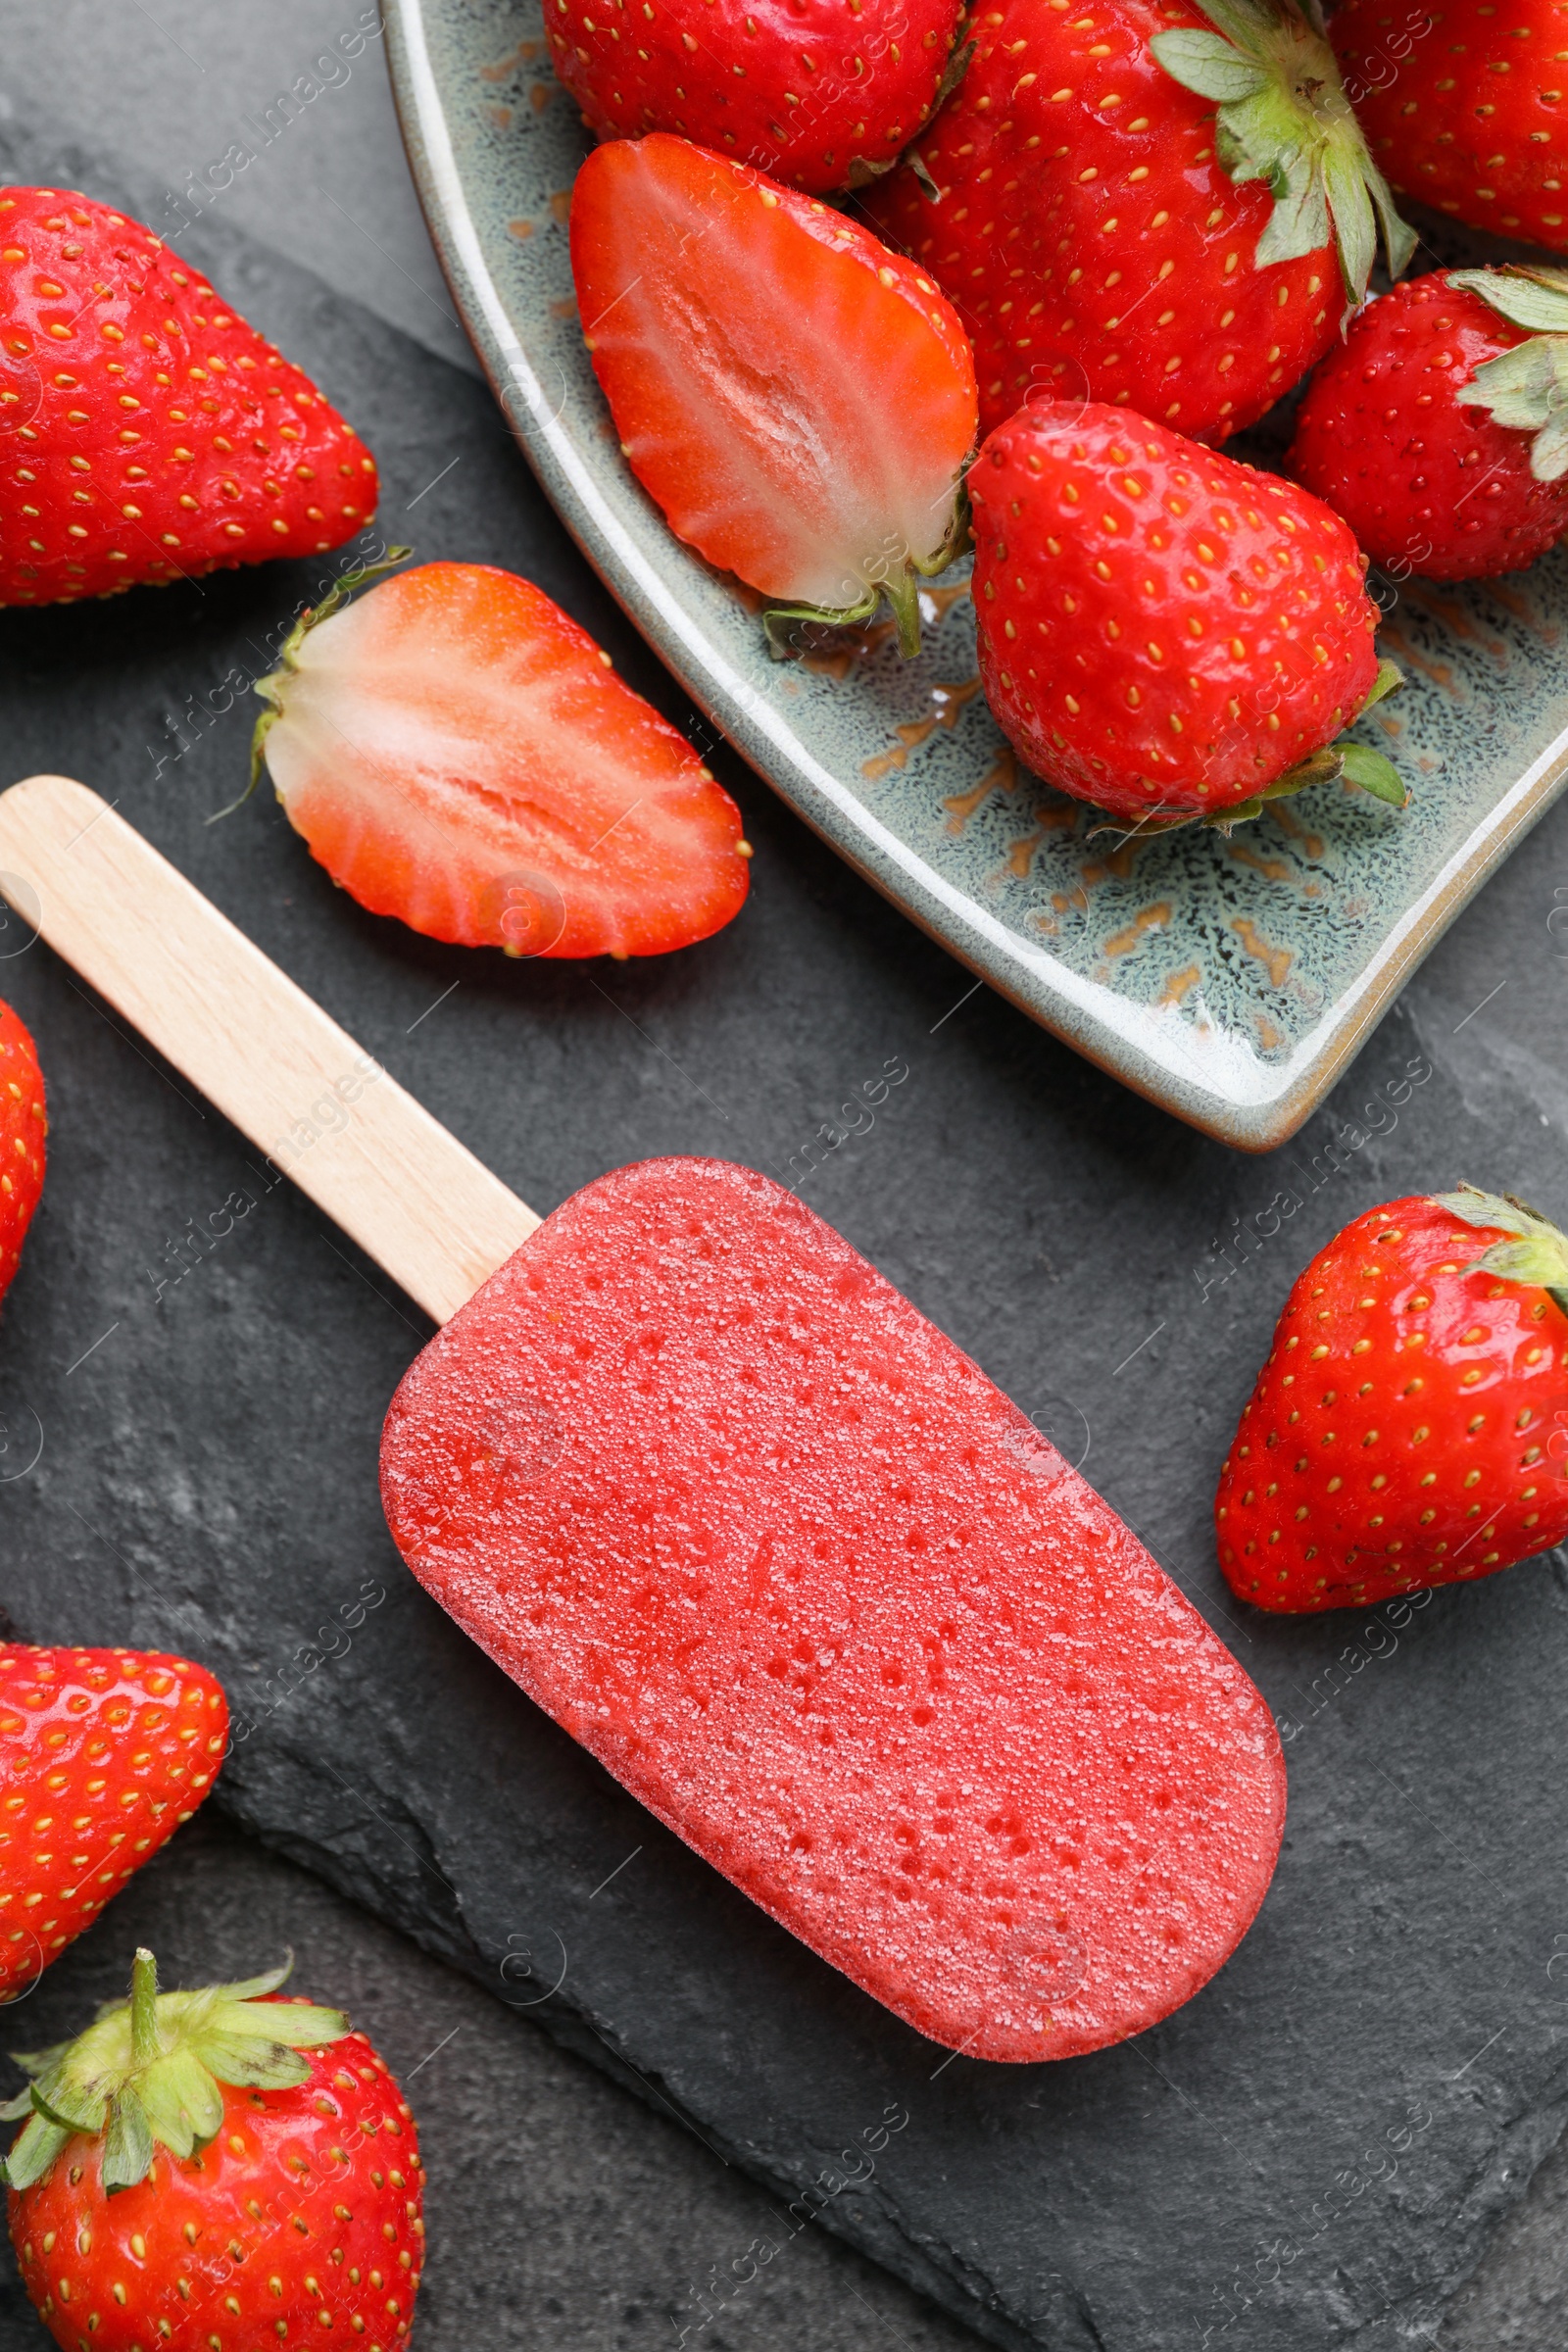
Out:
{"x": 458, "y": 754}
{"x": 796, "y": 399}
{"x": 783, "y": 1559}
{"x": 146, "y": 432}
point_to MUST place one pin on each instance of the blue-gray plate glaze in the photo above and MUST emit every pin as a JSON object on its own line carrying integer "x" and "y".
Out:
{"x": 1230, "y": 981}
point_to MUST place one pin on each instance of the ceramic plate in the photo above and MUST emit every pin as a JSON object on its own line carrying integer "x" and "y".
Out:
{"x": 1230, "y": 981}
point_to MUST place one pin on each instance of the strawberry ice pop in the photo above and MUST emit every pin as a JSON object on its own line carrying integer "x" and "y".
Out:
{"x": 779, "y": 1555}
{"x": 746, "y": 1523}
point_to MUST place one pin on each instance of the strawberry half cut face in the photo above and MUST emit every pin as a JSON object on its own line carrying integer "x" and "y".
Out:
{"x": 797, "y": 400}
{"x": 458, "y": 753}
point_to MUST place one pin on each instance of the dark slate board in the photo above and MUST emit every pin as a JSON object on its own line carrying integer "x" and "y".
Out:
{"x": 1313, "y": 2151}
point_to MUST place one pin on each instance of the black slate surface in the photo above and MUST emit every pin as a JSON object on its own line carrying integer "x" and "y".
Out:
{"x": 1313, "y": 2151}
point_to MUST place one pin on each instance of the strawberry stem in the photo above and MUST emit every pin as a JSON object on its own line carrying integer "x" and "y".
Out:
{"x": 902, "y": 592}
{"x": 902, "y": 588}
{"x": 1355, "y": 762}
{"x": 778, "y": 622}
{"x": 143, "y": 2008}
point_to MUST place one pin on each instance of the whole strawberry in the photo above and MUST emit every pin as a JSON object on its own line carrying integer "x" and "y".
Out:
{"x": 146, "y": 432}
{"x": 1439, "y": 429}
{"x": 285, "y": 2211}
{"x": 1162, "y": 631}
{"x": 103, "y": 1753}
{"x": 24, "y": 1125}
{"x": 1107, "y": 234}
{"x": 1462, "y": 103}
{"x": 821, "y": 94}
{"x": 1410, "y": 1425}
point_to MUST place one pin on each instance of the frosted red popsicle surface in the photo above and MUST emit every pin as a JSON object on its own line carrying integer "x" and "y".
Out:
{"x": 747, "y": 1525}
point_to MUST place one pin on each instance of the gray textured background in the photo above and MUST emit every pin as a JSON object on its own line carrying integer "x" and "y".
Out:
{"x": 562, "y": 2211}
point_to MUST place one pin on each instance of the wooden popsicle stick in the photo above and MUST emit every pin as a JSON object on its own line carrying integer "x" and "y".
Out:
{"x": 322, "y": 1110}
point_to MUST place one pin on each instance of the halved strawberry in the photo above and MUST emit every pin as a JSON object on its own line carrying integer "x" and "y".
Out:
{"x": 797, "y": 400}
{"x": 459, "y": 753}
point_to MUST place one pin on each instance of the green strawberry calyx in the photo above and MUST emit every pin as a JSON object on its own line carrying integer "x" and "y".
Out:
{"x": 271, "y": 688}
{"x": 148, "y": 2069}
{"x": 1526, "y": 387}
{"x": 1284, "y": 118}
{"x": 1354, "y": 762}
{"x": 1537, "y": 1254}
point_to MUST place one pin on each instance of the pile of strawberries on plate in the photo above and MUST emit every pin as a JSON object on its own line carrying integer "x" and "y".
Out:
{"x": 824, "y": 245}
